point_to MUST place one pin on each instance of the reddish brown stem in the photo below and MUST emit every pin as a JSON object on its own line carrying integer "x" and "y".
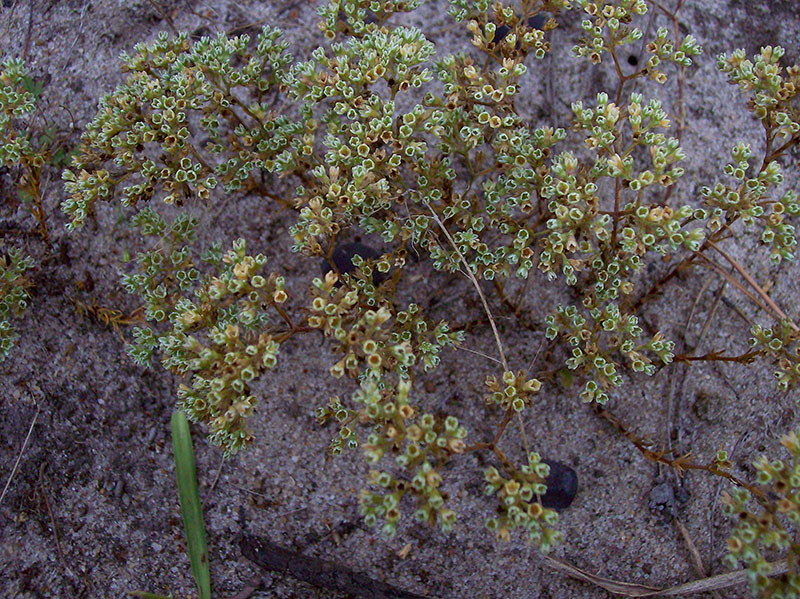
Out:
{"x": 680, "y": 463}
{"x": 717, "y": 356}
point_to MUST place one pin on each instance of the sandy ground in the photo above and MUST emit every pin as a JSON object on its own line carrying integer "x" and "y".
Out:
{"x": 92, "y": 509}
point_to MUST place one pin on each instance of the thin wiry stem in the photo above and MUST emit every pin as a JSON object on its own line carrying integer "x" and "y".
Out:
{"x": 471, "y": 275}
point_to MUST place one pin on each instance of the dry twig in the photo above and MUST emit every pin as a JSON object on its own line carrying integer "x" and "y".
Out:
{"x": 628, "y": 589}
{"x": 19, "y": 456}
{"x": 318, "y": 572}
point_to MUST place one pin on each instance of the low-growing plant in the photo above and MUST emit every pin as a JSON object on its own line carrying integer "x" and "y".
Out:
{"x": 380, "y": 135}
{"x": 26, "y": 147}
{"x": 14, "y": 296}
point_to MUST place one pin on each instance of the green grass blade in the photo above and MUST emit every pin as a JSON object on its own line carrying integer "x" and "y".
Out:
{"x": 190, "y": 503}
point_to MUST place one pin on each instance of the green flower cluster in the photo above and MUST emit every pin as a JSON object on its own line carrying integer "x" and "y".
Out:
{"x": 25, "y": 146}
{"x": 608, "y": 28}
{"x": 166, "y": 132}
{"x": 771, "y": 95}
{"x": 515, "y": 392}
{"x": 421, "y": 446}
{"x": 773, "y": 528}
{"x": 384, "y": 340}
{"x": 781, "y": 342}
{"x": 520, "y": 503}
{"x": 223, "y": 339}
{"x": 595, "y": 340}
{"x": 16, "y": 105}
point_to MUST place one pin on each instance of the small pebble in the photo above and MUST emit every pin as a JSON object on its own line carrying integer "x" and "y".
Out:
{"x": 562, "y": 486}
{"x": 662, "y": 501}
{"x": 661, "y": 495}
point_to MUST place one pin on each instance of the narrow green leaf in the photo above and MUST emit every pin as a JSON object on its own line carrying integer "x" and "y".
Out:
{"x": 190, "y": 503}
{"x": 565, "y": 376}
{"x": 146, "y": 595}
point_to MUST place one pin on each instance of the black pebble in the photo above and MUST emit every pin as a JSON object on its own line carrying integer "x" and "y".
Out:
{"x": 501, "y": 31}
{"x": 343, "y": 259}
{"x": 562, "y": 486}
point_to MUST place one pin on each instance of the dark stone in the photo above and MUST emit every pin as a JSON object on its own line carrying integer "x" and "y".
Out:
{"x": 562, "y": 486}
{"x": 501, "y": 31}
{"x": 537, "y": 21}
{"x": 368, "y": 18}
{"x": 343, "y": 256}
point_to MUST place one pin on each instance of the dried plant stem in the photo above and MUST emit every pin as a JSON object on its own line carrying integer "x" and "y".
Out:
{"x": 727, "y": 276}
{"x": 478, "y": 353}
{"x": 30, "y": 186}
{"x": 470, "y": 274}
{"x": 109, "y": 317}
{"x": 318, "y": 572}
{"x": 697, "y": 560}
{"x": 717, "y": 356}
{"x": 628, "y": 589}
{"x": 514, "y": 306}
{"x": 165, "y": 16}
{"x": 509, "y": 413}
{"x": 213, "y": 483}
{"x": 714, "y": 307}
{"x": 19, "y": 456}
{"x": 56, "y": 537}
{"x": 752, "y": 282}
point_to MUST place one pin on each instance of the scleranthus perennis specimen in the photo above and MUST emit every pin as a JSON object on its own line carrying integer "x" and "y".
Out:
{"x": 377, "y": 136}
